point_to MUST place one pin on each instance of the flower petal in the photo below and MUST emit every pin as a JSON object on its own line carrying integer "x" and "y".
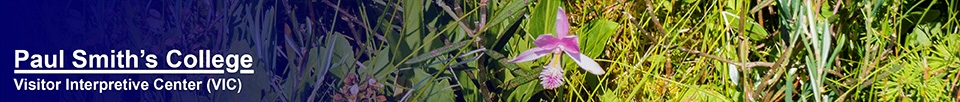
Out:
{"x": 551, "y": 78}
{"x": 587, "y": 63}
{"x": 562, "y": 26}
{"x": 734, "y": 74}
{"x": 552, "y": 75}
{"x": 546, "y": 41}
{"x": 571, "y": 44}
{"x": 531, "y": 54}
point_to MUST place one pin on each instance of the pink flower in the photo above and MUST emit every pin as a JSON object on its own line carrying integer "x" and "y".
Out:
{"x": 552, "y": 75}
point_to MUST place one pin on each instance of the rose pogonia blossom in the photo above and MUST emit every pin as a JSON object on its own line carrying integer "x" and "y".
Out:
{"x": 552, "y": 75}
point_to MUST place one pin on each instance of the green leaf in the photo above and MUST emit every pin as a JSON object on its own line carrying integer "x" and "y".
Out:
{"x": 430, "y": 90}
{"x": 517, "y": 46}
{"x": 543, "y": 18}
{"x": 437, "y": 52}
{"x": 512, "y": 8}
{"x": 340, "y": 60}
{"x": 609, "y": 96}
{"x": 470, "y": 91}
{"x": 922, "y": 34}
{"x": 412, "y": 21}
{"x": 593, "y": 40}
{"x": 382, "y": 60}
{"x": 657, "y": 59}
{"x": 524, "y": 76}
{"x": 525, "y": 92}
{"x": 920, "y": 16}
{"x": 755, "y": 31}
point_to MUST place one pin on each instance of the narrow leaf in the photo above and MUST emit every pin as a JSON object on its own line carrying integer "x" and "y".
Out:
{"x": 437, "y": 52}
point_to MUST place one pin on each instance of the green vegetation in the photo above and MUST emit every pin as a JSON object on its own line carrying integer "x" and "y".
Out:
{"x": 651, "y": 50}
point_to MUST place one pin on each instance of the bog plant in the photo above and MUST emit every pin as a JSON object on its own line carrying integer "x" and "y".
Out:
{"x": 552, "y": 75}
{"x": 634, "y": 50}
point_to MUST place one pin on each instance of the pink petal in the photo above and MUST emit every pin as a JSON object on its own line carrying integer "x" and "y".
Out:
{"x": 571, "y": 44}
{"x": 546, "y": 41}
{"x": 562, "y": 26}
{"x": 531, "y": 54}
{"x": 551, "y": 78}
{"x": 586, "y": 63}
{"x": 552, "y": 75}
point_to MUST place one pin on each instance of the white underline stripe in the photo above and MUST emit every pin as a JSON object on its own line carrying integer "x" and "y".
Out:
{"x": 246, "y": 71}
{"x": 207, "y": 71}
